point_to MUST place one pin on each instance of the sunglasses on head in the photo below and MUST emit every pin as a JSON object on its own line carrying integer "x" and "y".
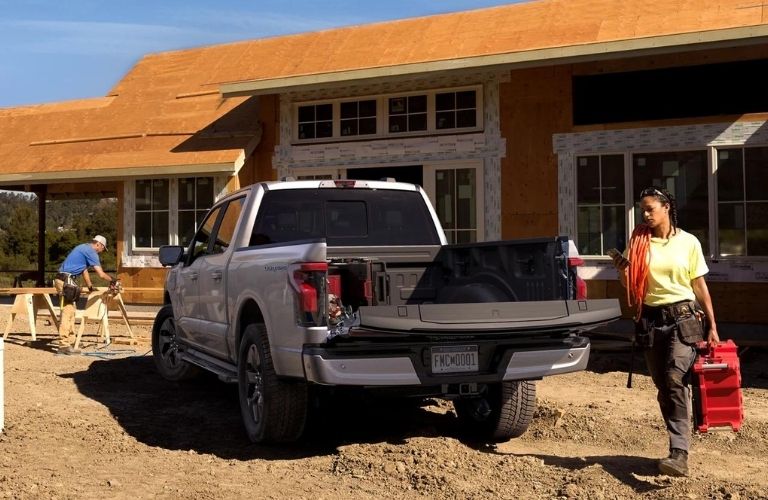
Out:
{"x": 653, "y": 192}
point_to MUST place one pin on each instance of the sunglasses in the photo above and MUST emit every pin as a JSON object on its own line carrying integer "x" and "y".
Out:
{"x": 653, "y": 192}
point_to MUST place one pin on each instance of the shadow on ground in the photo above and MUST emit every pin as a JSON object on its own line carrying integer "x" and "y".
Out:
{"x": 203, "y": 415}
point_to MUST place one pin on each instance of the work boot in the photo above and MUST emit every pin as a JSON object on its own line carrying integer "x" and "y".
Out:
{"x": 676, "y": 464}
{"x": 69, "y": 350}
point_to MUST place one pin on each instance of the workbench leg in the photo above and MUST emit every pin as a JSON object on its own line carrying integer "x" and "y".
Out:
{"x": 31, "y": 315}
{"x": 123, "y": 311}
{"x": 79, "y": 330}
{"x": 8, "y": 326}
{"x": 49, "y": 305}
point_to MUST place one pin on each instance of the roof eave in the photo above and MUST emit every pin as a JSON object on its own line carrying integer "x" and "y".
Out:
{"x": 119, "y": 173}
{"x": 729, "y": 37}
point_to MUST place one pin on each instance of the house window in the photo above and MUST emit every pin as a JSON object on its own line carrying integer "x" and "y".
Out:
{"x": 742, "y": 203}
{"x": 456, "y": 109}
{"x": 358, "y": 117}
{"x": 432, "y": 112}
{"x": 684, "y": 175}
{"x": 407, "y": 113}
{"x": 156, "y": 200}
{"x": 601, "y": 214}
{"x": 456, "y": 203}
{"x": 195, "y": 197}
{"x": 315, "y": 121}
{"x": 152, "y": 212}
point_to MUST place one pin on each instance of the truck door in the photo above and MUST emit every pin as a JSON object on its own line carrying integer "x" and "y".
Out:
{"x": 190, "y": 273}
{"x": 213, "y": 314}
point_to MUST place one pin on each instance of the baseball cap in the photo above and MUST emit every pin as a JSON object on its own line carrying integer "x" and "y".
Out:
{"x": 101, "y": 240}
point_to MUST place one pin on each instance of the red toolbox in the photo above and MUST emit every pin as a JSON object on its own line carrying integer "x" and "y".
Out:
{"x": 717, "y": 400}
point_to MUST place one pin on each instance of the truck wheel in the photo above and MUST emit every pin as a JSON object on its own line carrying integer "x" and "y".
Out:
{"x": 165, "y": 349}
{"x": 273, "y": 410}
{"x": 505, "y": 412}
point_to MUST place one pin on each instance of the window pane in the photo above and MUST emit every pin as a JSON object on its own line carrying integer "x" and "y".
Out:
{"x": 160, "y": 194}
{"x": 684, "y": 174}
{"x": 306, "y": 113}
{"x": 757, "y": 228}
{"x": 730, "y": 175}
{"x": 367, "y": 126}
{"x": 614, "y": 228}
{"x": 143, "y": 195}
{"x": 612, "y": 179}
{"x": 588, "y": 179}
{"x": 730, "y": 222}
{"x": 445, "y": 102}
{"x": 186, "y": 194}
{"x": 204, "y": 193}
{"x": 349, "y": 127}
{"x": 348, "y": 110}
{"x": 589, "y": 230}
{"x": 367, "y": 108}
{"x": 143, "y": 229}
{"x": 756, "y": 172}
{"x": 465, "y": 198}
{"x": 466, "y": 118}
{"x": 398, "y": 123}
{"x": 444, "y": 197}
{"x": 445, "y": 119}
{"x": 417, "y": 104}
{"x": 417, "y": 122}
{"x": 306, "y": 131}
{"x": 324, "y": 129}
{"x": 186, "y": 227}
{"x": 324, "y": 112}
{"x": 466, "y": 99}
{"x": 466, "y": 236}
{"x": 159, "y": 228}
{"x": 397, "y": 105}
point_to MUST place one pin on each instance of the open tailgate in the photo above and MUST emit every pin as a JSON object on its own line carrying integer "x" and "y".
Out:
{"x": 492, "y": 316}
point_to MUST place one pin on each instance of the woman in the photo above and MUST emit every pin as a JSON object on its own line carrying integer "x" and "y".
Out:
{"x": 663, "y": 270}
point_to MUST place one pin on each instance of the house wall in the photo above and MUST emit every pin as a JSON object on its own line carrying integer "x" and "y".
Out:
{"x": 536, "y": 105}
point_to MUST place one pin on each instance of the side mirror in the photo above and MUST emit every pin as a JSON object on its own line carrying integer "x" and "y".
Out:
{"x": 170, "y": 255}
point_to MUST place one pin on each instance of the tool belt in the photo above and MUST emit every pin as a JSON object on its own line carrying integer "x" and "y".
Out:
{"x": 64, "y": 277}
{"x": 682, "y": 318}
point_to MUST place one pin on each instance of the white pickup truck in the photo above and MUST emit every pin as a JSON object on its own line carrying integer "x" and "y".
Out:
{"x": 290, "y": 286}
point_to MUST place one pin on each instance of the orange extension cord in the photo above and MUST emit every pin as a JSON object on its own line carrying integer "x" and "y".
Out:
{"x": 639, "y": 264}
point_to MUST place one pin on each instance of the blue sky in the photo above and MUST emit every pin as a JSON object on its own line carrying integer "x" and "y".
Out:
{"x": 55, "y": 50}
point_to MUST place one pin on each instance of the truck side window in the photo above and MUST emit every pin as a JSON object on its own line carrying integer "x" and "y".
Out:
{"x": 202, "y": 238}
{"x": 226, "y": 229}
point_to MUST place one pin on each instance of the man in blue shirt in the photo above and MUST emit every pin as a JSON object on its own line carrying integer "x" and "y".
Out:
{"x": 77, "y": 262}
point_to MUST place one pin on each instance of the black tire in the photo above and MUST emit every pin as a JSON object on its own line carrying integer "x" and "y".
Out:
{"x": 273, "y": 410}
{"x": 165, "y": 348}
{"x": 504, "y": 412}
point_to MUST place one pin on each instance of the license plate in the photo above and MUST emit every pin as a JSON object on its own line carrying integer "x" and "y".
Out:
{"x": 454, "y": 359}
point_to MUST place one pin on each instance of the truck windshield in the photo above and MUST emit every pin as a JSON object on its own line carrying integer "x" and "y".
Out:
{"x": 344, "y": 217}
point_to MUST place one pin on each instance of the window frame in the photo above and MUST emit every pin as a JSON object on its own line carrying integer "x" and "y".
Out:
{"x": 173, "y": 210}
{"x": 382, "y": 115}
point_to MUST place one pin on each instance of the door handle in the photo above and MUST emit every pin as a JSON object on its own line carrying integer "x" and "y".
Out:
{"x": 216, "y": 275}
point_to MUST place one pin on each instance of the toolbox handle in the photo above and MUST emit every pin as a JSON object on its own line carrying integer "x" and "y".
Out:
{"x": 715, "y": 366}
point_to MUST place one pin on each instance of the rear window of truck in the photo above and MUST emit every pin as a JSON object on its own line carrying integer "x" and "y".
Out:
{"x": 344, "y": 217}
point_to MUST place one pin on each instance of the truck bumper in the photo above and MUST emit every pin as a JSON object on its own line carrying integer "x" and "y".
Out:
{"x": 332, "y": 369}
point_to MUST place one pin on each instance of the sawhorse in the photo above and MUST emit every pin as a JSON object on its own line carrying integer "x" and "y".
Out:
{"x": 29, "y": 302}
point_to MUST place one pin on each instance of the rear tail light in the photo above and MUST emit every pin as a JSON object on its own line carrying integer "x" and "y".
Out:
{"x": 579, "y": 284}
{"x": 309, "y": 283}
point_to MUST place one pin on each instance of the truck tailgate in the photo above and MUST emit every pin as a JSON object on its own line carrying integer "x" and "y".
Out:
{"x": 492, "y": 316}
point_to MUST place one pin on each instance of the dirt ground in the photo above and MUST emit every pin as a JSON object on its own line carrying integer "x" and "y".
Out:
{"x": 105, "y": 425}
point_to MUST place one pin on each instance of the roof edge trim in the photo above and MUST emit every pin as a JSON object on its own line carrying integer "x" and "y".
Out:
{"x": 119, "y": 173}
{"x": 664, "y": 43}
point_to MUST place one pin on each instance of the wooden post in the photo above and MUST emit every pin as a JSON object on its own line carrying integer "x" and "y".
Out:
{"x": 42, "y": 191}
